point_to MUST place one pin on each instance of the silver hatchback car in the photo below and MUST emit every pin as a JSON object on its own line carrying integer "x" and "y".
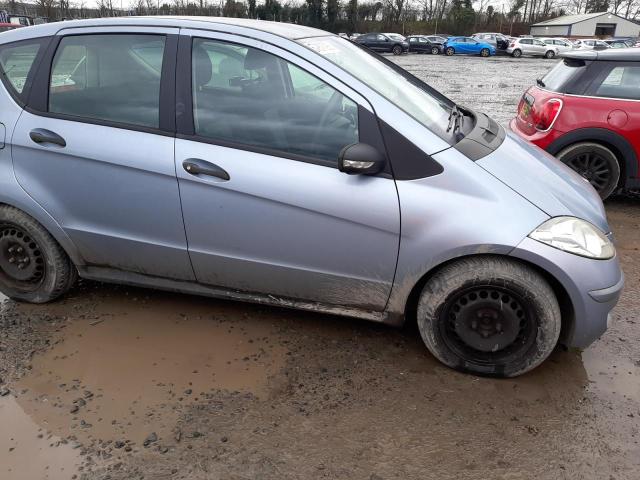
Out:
{"x": 284, "y": 165}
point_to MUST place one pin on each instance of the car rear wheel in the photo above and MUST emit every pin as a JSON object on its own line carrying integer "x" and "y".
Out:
{"x": 435, "y": 51}
{"x": 489, "y": 316}
{"x": 397, "y": 50}
{"x": 449, "y": 51}
{"x": 484, "y": 52}
{"x": 517, "y": 53}
{"x": 594, "y": 162}
{"x": 550, "y": 54}
{"x": 33, "y": 267}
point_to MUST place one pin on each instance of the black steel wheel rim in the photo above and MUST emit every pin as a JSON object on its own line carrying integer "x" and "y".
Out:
{"x": 594, "y": 167}
{"x": 487, "y": 324}
{"x": 22, "y": 264}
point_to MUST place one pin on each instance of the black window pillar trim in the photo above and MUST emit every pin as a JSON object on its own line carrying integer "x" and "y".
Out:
{"x": 38, "y": 99}
{"x": 184, "y": 98}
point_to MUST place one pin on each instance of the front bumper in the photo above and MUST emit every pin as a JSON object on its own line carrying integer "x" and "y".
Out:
{"x": 593, "y": 288}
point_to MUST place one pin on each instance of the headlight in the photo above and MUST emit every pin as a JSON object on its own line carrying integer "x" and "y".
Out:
{"x": 574, "y": 236}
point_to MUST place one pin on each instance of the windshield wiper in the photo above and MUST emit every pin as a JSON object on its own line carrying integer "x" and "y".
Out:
{"x": 540, "y": 82}
{"x": 456, "y": 120}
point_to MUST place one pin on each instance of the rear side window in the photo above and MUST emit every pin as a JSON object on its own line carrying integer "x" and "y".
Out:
{"x": 113, "y": 78}
{"x": 17, "y": 61}
{"x": 560, "y": 78}
{"x": 618, "y": 81}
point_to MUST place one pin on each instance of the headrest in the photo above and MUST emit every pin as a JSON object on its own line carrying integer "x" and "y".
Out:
{"x": 257, "y": 59}
{"x": 202, "y": 67}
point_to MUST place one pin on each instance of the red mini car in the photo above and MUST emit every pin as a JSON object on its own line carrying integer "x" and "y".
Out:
{"x": 586, "y": 112}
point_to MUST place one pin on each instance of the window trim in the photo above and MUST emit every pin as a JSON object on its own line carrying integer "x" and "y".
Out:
{"x": 22, "y": 98}
{"x": 38, "y": 100}
{"x": 185, "y": 125}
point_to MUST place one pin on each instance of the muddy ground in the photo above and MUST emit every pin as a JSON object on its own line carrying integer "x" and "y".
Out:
{"x": 123, "y": 383}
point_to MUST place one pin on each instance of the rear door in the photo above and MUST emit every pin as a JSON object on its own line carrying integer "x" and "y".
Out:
{"x": 95, "y": 147}
{"x": 265, "y": 208}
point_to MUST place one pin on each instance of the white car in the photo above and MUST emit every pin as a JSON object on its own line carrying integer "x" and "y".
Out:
{"x": 532, "y": 47}
{"x": 589, "y": 44}
{"x": 562, "y": 44}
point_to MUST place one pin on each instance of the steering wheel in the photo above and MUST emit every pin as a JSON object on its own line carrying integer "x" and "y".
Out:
{"x": 333, "y": 105}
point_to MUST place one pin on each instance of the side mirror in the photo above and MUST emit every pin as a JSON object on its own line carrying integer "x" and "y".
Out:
{"x": 361, "y": 159}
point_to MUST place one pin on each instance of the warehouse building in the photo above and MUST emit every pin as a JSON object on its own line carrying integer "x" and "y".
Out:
{"x": 601, "y": 24}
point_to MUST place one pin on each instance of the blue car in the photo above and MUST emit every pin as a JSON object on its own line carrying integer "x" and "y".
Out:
{"x": 469, "y": 46}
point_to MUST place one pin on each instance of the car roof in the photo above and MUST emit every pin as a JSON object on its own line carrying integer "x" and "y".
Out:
{"x": 613, "y": 54}
{"x": 285, "y": 30}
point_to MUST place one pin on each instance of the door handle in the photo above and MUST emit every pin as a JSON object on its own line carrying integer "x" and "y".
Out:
{"x": 42, "y": 135}
{"x": 195, "y": 166}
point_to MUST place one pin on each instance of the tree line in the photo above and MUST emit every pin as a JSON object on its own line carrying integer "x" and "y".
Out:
{"x": 458, "y": 17}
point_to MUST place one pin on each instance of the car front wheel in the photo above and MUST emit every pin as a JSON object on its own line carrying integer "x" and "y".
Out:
{"x": 484, "y": 52}
{"x": 596, "y": 163}
{"x": 550, "y": 54}
{"x": 435, "y": 51}
{"x": 449, "y": 51}
{"x": 33, "y": 267}
{"x": 397, "y": 50}
{"x": 489, "y": 316}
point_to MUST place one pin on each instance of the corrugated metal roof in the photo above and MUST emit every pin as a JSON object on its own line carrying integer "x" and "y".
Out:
{"x": 571, "y": 19}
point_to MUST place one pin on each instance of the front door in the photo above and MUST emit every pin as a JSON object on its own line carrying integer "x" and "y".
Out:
{"x": 265, "y": 208}
{"x": 95, "y": 151}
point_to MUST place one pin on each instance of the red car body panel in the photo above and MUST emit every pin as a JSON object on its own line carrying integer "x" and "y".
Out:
{"x": 620, "y": 116}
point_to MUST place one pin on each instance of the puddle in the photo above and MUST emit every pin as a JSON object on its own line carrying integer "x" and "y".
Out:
{"x": 27, "y": 452}
{"x": 611, "y": 377}
{"x": 126, "y": 368}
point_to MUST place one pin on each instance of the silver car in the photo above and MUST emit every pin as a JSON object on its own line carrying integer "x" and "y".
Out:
{"x": 561, "y": 44}
{"x": 284, "y": 165}
{"x": 531, "y": 47}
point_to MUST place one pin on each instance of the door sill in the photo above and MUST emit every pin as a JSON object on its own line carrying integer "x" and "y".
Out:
{"x": 111, "y": 275}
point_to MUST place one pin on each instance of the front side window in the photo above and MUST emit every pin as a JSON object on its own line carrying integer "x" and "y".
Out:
{"x": 620, "y": 82}
{"x": 113, "y": 77}
{"x": 16, "y": 62}
{"x": 249, "y": 97}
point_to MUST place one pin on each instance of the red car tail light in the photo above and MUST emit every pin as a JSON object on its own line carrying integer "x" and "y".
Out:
{"x": 545, "y": 115}
{"x": 512, "y": 44}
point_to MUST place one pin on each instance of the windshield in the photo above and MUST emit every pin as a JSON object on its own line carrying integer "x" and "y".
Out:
{"x": 407, "y": 92}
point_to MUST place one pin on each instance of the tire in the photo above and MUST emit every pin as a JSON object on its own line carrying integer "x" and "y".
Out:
{"x": 595, "y": 162}
{"x": 449, "y": 51}
{"x": 435, "y": 51}
{"x": 33, "y": 266}
{"x": 517, "y": 53}
{"x": 397, "y": 50}
{"x": 550, "y": 54}
{"x": 485, "y": 52}
{"x": 489, "y": 316}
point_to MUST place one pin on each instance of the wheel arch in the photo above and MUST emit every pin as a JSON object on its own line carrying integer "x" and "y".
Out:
{"x": 50, "y": 225}
{"x": 564, "y": 300}
{"x": 619, "y": 145}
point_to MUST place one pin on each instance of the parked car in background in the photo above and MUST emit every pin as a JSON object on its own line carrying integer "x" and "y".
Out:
{"x": 620, "y": 43}
{"x": 531, "y": 47}
{"x": 562, "y": 45}
{"x": 420, "y": 44}
{"x": 499, "y": 41}
{"x": 395, "y": 36}
{"x": 288, "y": 188}
{"x": 381, "y": 43}
{"x": 467, "y": 46}
{"x": 588, "y": 44}
{"x": 4, "y": 27}
{"x": 586, "y": 112}
{"x": 437, "y": 39}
